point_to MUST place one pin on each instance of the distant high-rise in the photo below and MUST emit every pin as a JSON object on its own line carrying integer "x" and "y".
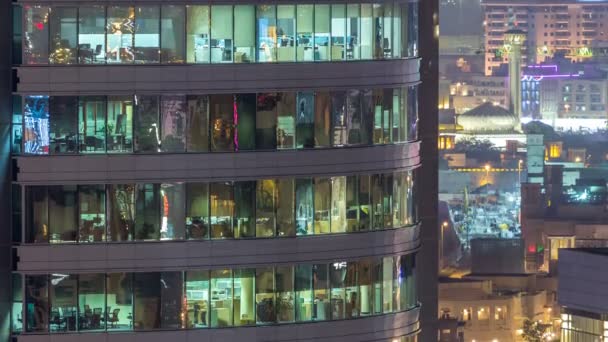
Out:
{"x": 566, "y": 27}
{"x": 216, "y": 171}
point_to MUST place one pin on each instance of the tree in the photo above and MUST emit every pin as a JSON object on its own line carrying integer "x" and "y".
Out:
{"x": 534, "y": 331}
{"x": 482, "y": 150}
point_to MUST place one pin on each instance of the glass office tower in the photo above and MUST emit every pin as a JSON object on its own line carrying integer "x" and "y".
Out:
{"x": 215, "y": 171}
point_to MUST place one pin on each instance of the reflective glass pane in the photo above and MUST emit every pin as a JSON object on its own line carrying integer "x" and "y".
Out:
{"x": 197, "y": 210}
{"x": 266, "y": 121}
{"x": 244, "y": 297}
{"x": 322, "y": 121}
{"x": 412, "y": 113}
{"x": 366, "y": 288}
{"x": 173, "y": 34}
{"x": 378, "y": 31}
{"x": 244, "y": 199}
{"x": 397, "y": 29}
{"x": 221, "y": 34}
{"x": 91, "y": 213}
{"x": 36, "y": 35}
{"x": 377, "y": 277}
{"x": 320, "y": 283}
{"x": 355, "y": 122}
{"x": 387, "y": 30}
{"x": 119, "y": 129}
{"x": 197, "y": 135}
{"x": 365, "y": 206}
{"x": 305, "y": 120}
{"x": 173, "y": 123}
{"x": 197, "y": 32}
{"x": 352, "y": 204}
{"x": 91, "y": 301}
{"x": 284, "y": 291}
{"x": 120, "y": 29}
{"x": 147, "y": 218}
{"x": 286, "y": 33}
{"x": 267, "y": 33}
{"x": 119, "y": 302}
{"x": 17, "y": 304}
{"x": 37, "y": 218}
{"x": 387, "y": 284}
{"x": 285, "y": 208}
{"x": 266, "y": 203}
{"x": 121, "y": 212}
{"x": 367, "y": 116}
{"x": 64, "y": 303}
{"x": 222, "y": 122}
{"x": 377, "y": 203}
{"x": 245, "y": 122}
{"x": 37, "y": 303}
{"x": 351, "y": 290}
{"x": 92, "y": 124}
{"x": 338, "y": 118}
{"x": 63, "y": 124}
{"x": 337, "y": 274}
{"x": 197, "y": 299}
{"x": 244, "y": 36}
{"x": 338, "y": 32}
{"x": 36, "y": 125}
{"x": 265, "y": 296}
{"x": 396, "y": 115}
{"x": 397, "y": 284}
{"x": 305, "y": 50}
{"x": 400, "y": 193}
{"x": 367, "y": 32}
{"x": 146, "y": 46}
{"x": 303, "y": 293}
{"x": 172, "y": 207}
{"x": 338, "y": 204}
{"x": 63, "y": 213}
{"x": 91, "y": 34}
{"x": 286, "y": 120}
{"x": 387, "y": 200}
{"x": 17, "y": 125}
{"x": 353, "y": 31}
{"x": 221, "y": 298}
{"x": 221, "y": 202}
{"x": 64, "y": 27}
{"x": 171, "y": 300}
{"x": 412, "y": 32}
{"x": 146, "y": 299}
{"x": 304, "y": 207}
{"x": 322, "y": 194}
{"x": 322, "y": 33}
{"x": 409, "y": 294}
{"x": 146, "y": 125}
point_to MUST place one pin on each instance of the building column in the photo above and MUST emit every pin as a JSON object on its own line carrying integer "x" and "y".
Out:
{"x": 427, "y": 258}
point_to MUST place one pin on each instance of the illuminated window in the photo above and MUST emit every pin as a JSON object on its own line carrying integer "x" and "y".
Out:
{"x": 483, "y": 313}
{"x": 500, "y": 313}
{"x": 556, "y": 243}
{"x": 555, "y": 150}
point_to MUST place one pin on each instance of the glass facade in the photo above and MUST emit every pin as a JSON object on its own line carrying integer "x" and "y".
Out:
{"x": 215, "y": 123}
{"x": 194, "y": 299}
{"x": 173, "y": 34}
{"x": 577, "y": 328}
{"x": 219, "y": 210}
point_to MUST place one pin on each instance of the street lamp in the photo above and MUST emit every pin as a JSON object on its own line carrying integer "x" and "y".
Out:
{"x": 443, "y": 226}
{"x": 519, "y": 170}
{"x": 487, "y": 167}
